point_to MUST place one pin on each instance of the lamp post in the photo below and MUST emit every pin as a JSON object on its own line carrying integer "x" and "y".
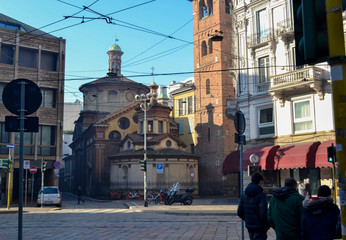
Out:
{"x": 145, "y": 105}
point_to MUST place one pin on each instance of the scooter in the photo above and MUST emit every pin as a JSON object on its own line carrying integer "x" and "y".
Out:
{"x": 184, "y": 198}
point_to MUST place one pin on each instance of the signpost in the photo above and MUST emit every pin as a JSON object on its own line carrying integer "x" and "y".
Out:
{"x": 159, "y": 168}
{"x": 32, "y": 170}
{"x": 26, "y": 167}
{"x": 21, "y": 97}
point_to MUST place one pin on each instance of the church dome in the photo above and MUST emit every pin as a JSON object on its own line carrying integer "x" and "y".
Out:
{"x": 114, "y": 47}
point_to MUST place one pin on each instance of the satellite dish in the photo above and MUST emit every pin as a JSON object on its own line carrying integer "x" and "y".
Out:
{"x": 254, "y": 158}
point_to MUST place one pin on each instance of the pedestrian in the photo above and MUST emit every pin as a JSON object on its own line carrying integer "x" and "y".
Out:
{"x": 307, "y": 191}
{"x": 285, "y": 211}
{"x": 321, "y": 217}
{"x": 79, "y": 194}
{"x": 253, "y": 208}
{"x": 301, "y": 188}
{"x": 3, "y": 193}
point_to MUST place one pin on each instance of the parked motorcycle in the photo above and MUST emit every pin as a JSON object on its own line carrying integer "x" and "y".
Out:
{"x": 184, "y": 198}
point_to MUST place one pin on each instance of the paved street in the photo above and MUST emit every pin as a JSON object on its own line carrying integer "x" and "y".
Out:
{"x": 205, "y": 219}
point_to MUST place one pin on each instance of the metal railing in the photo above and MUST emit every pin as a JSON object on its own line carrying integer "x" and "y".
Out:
{"x": 260, "y": 37}
{"x": 308, "y": 74}
{"x": 285, "y": 26}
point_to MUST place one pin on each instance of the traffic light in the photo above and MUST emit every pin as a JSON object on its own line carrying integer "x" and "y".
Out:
{"x": 310, "y": 31}
{"x": 5, "y": 164}
{"x": 143, "y": 165}
{"x": 331, "y": 154}
{"x": 44, "y": 166}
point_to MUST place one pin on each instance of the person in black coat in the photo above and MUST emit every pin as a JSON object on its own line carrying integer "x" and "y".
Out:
{"x": 321, "y": 217}
{"x": 253, "y": 208}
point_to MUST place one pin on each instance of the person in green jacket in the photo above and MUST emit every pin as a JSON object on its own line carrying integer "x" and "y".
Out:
{"x": 285, "y": 211}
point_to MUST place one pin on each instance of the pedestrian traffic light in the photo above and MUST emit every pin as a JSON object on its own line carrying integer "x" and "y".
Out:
{"x": 143, "y": 165}
{"x": 44, "y": 166}
{"x": 310, "y": 31}
{"x": 331, "y": 154}
{"x": 5, "y": 164}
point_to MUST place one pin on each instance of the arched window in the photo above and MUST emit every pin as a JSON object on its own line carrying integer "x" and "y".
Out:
{"x": 228, "y": 6}
{"x": 204, "y": 48}
{"x": 210, "y": 10}
{"x": 210, "y": 46}
{"x": 207, "y": 86}
{"x": 202, "y": 9}
{"x": 114, "y": 135}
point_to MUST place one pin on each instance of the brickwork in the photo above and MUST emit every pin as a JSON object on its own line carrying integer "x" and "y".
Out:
{"x": 215, "y": 132}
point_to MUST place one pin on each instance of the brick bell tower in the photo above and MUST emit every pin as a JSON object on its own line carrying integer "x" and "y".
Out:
{"x": 212, "y": 31}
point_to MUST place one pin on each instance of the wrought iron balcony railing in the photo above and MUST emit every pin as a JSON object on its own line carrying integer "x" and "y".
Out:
{"x": 260, "y": 37}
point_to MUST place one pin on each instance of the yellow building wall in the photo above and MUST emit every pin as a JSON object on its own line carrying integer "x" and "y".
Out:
{"x": 187, "y": 138}
{"x": 113, "y": 125}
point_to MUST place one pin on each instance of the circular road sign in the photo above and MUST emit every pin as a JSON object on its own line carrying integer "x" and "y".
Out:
{"x": 57, "y": 164}
{"x": 12, "y": 94}
{"x": 33, "y": 169}
{"x": 192, "y": 174}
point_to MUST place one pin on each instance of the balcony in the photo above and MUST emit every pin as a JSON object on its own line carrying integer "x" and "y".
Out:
{"x": 260, "y": 39}
{"x": 285, "y": 29}
{"x": 305, "y": 80}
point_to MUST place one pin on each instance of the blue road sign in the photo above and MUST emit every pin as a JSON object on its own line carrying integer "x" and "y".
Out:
{"x": 10, "y": 145}
{"x": 159, "y": 168}
{"x": 57, "y": 164}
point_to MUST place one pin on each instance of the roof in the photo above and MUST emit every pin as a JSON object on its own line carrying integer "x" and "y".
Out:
{"x": 14, "y": 24}
{"x": 115, "y": 47}
{"x": 112, "y": 79}
{"x": 116, "y": 114}
{"x": 138, "y": 139}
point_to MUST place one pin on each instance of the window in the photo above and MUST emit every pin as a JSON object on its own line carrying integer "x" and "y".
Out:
{"x": 4, "y": 138}
{"x": 228, "y": 6}
{"x": 160, "y": 127}
{"x": 128, "y": 144}
{"x": 266, "y": 124}
{"x": 150, "y": 126}
{"x": 204, "y": 48}
{"x": 262, "y": 29}
{"x": 302, "y": 116}
{"x": 124, "y": 123}
{"x": 168, "y": 143}
{"x": 48, "y": 98}
{"x": 181, "y": 105}
{"x": 112, "y": 96}
{"x": 114, "y": 135}
{"x": 263, "y": 64}
{"x": 190, "y": 105}
{"x": 28, "y": 57}
{"x": 135, "y": 118}
{"x": 210, "y": 46}
{"x": 46, "y": 138}
{"x": 2, "y": 86}
{"x": 202, "y": 9}
{"x": 49, "y": 61}
{"x": 7, "y": 54}
{"x": 207, "y": 86}
{"x": 9, "y": 26}
{"x": 181, "y": 127}
{"x": 190, "y": 125}
{"x": 192, "y": 148}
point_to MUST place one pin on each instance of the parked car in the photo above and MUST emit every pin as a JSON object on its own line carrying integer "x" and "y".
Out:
{"x": 51, "y": 196}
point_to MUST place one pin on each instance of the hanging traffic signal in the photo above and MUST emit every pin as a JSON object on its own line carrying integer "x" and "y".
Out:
{"x": 310, "y": 31}
{"x": 331, "y": 154}
{"x": 143, "y": 165}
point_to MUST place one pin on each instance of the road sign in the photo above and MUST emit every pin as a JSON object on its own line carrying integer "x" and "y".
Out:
{"x": 33, "y": 169}
{"x": 26, "y": 164}
{"x": 192, "y": 174}
{"x": 10, "y": 145}
{"x": 57, "y": 164}
{"x": 12, "y": 93}
{"x": 159, "y": 168}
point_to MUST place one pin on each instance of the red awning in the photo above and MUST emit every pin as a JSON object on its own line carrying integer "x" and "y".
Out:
{"x": 296, "y": 156}
{"x": 322, "y": 156}
{"x": 231, "y": 164}
{"x": 266, "y": 156}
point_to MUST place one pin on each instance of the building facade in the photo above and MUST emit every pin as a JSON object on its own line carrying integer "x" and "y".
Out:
{"x": 40, "y": 57}
{"x": 288, "y": 109}
{"x": 212, "y": 20}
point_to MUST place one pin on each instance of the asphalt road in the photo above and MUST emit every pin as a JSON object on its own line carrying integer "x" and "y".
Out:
{"x": 204, "y": 219}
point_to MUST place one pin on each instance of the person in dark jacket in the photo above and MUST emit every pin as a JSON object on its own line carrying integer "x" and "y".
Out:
{"x": 285, "y": 211}
{"x": 321, "y": 217}
{"x": 253, "y": 208}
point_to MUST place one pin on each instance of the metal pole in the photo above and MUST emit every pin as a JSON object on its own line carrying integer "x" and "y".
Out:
{"x": 338, "y": 76}
{"x": 26, "y": 185}
{"x": 9, "y": 185}
{"x": 241, "y": 170}
{"x": 145, "y": 152}
{"x": 42, "y": 182}
{"x": 21, "y": 155}
{"x": 32, "y": 187}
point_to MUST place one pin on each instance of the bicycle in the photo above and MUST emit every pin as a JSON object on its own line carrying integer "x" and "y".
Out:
{"x": 159, "y": 198}
{"x": 133, "y": 196}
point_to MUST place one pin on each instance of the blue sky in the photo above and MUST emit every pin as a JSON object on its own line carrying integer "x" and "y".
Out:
{"x": 87, "y": 44}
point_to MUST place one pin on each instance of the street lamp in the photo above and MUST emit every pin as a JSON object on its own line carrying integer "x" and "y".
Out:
{"x": 145, "y": 105}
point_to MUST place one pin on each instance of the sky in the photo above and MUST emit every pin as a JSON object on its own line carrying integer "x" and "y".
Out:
{"x": 152, "y": 34}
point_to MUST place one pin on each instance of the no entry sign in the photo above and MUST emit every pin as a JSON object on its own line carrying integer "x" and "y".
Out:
{"x": 33, "y": 169}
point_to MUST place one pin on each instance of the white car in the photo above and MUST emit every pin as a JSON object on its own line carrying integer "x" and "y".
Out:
{"x": 51, "y": 196}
